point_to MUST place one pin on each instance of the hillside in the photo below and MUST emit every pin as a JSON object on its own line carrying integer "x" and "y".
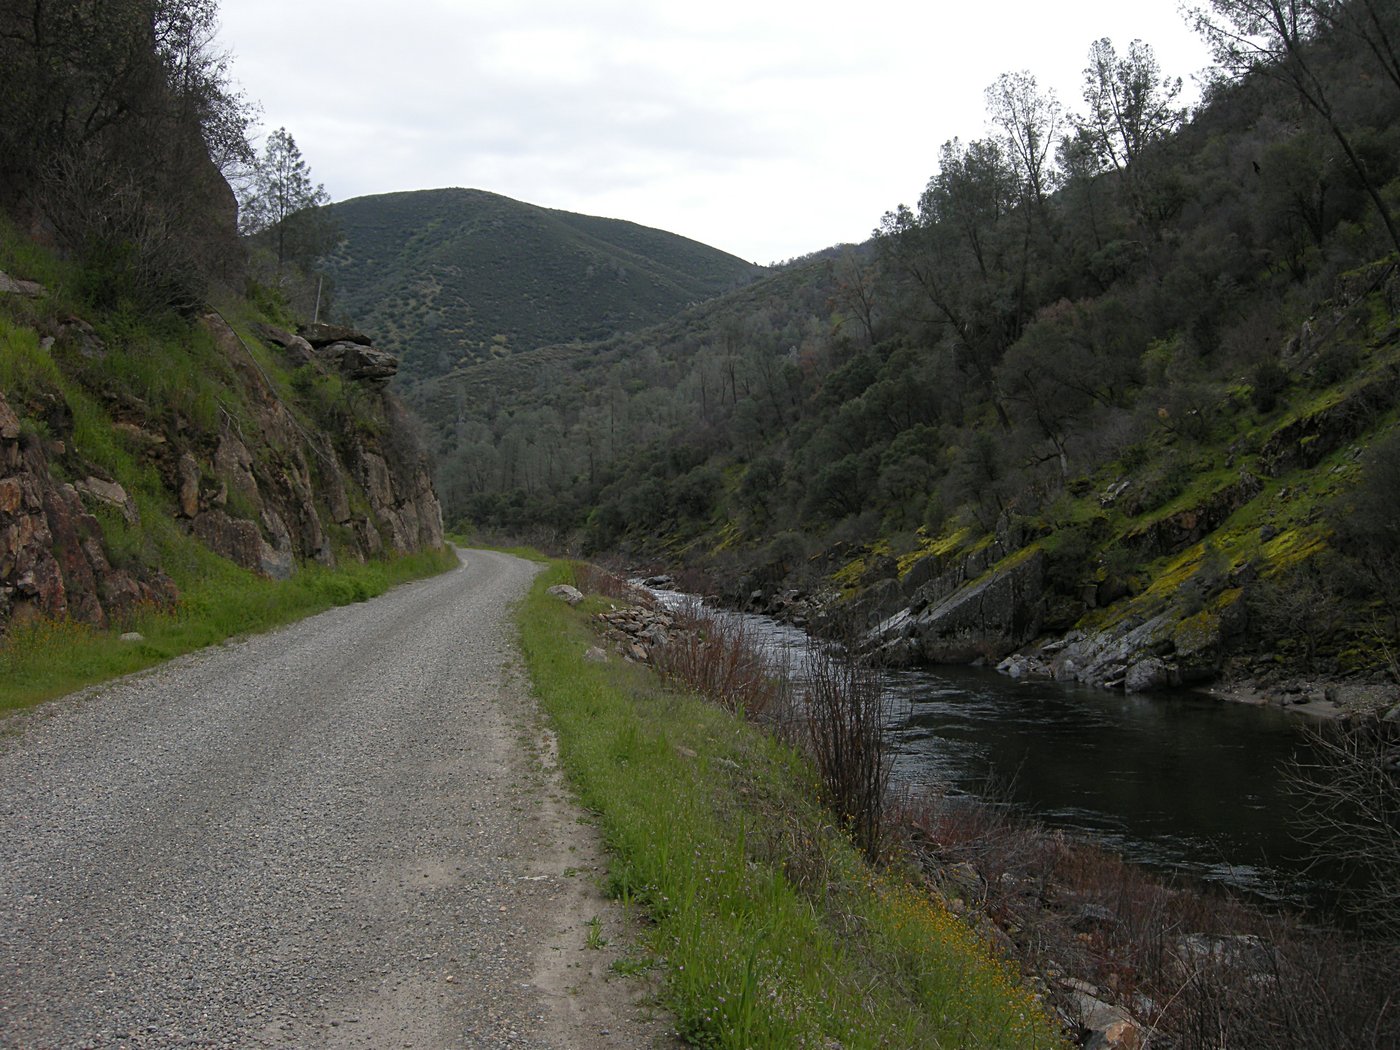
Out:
{"x": 1140, "y": 413}
{"x": 447, "y": 277}
{"x": 171, "y": 453}
{"x": 142, "y": 458}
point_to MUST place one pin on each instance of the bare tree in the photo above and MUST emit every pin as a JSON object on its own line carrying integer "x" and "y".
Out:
{"x": 1030, "y": 122}
{"x": 1351, "y": 790}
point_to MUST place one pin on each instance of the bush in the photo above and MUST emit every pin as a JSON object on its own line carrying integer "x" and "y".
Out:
{"x": 842, "y": 712}
{"x": 1269, "y": 381}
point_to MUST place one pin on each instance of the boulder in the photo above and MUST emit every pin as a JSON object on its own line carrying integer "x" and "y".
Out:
{"x": 188, "y": 494}
{"x": 566, "y": 593}
{"x": 1024, "y": 665}
{"x": 297, "y": 349}
{"x": 84, "y": 337}
{"x": 1146, "y": 675}
{"x": 1245, "y": 952}
{"x": 15, "y": 286}
{"x": 1108, "y": 1027}
{"x": 365, "y": 363}
{"x": 320, "y": 334}
{"x": 111, "y": 494}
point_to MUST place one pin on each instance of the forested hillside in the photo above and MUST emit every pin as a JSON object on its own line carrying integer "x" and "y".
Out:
{"x": 445, "y": 278}
{"x": 1119, "y": 364}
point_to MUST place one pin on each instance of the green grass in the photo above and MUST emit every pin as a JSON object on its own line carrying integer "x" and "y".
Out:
{"x": 44, "y": 659}
{"x": 770, "y": 929}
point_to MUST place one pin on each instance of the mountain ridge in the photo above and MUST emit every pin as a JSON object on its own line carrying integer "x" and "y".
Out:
{"x": 450, "y": 275}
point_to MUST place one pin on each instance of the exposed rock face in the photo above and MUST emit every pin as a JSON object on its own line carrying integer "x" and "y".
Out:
{"x": 366, "y": 363}
{"x": 1180, "y": 530}
{"x": 52, "y": 559}
{"x": 266, "y": 490}
{"x": 982, "y": 619}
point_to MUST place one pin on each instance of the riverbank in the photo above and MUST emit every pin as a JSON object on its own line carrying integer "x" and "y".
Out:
{"x": 770, "y": 928}
{"x": 1318, "y": 696}
{"x": 1125, "y": 956}
{"x": 1315, "y": 696}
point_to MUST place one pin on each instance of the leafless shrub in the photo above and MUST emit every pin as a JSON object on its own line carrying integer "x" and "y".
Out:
{"x": 1351, "y": 813}
{"x": 594, "y": 579}
{"x": 835, "y": 712}
{"x": 137, "y": 248}
{"x": 842, "y": 709}
{"x": 718, "y": 659}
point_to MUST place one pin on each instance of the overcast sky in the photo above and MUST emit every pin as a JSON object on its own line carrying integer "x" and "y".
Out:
{"x": 766, "y": 128}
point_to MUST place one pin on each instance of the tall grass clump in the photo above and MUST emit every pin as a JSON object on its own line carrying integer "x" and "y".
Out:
{"x": 773, "y": 930}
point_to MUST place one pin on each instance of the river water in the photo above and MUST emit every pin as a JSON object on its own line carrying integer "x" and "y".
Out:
{"x": 1182, "y": 782}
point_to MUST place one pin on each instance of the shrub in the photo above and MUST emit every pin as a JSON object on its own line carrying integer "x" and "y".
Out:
{"x": 1269, "y": 381}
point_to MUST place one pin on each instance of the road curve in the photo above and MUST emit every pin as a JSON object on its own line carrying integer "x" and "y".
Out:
{"x": 348, "y": 832}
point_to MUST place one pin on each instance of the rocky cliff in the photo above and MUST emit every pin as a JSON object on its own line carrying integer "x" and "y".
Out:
{"x": 277, "y": 450}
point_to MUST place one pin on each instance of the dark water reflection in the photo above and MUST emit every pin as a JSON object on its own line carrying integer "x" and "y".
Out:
{"x": 1182, "y": 782}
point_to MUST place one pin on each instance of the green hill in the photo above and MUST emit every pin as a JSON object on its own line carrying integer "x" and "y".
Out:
{"x": 447, "y": 277}
{"x": 1145, "y": 415}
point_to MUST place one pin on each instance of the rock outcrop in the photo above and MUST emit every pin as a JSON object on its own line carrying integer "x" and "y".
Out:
{"x": 53, "y": 559}
{"x": 269, "y": 487}
{"x": 956, "y": 621}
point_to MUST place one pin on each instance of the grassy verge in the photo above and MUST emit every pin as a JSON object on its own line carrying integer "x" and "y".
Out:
{"x": 45, "y": 659}
{"x": 772, "y": 930}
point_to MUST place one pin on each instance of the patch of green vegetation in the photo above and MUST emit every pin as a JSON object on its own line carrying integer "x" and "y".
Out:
{"x": 44, "y": 659}
{"x": 1291, "y": 547}
{"x": 772, "y": 930}
{"x": 936, "y": 547}
{"x": 26, "y": 367}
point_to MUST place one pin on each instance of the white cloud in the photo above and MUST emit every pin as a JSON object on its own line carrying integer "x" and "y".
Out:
{"x": 768, "y": 129}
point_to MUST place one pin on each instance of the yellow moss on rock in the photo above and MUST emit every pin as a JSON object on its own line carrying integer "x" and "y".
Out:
{"x": 1291, "y": 547}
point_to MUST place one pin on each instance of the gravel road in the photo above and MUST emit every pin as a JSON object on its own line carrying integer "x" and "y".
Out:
{"x": 349, "y": 832}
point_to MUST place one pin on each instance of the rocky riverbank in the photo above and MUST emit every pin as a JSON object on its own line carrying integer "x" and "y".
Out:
{"x": 1128, "y": 960}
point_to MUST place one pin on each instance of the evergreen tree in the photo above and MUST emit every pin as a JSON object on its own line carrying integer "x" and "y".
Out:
{"x": 283, "y": 200}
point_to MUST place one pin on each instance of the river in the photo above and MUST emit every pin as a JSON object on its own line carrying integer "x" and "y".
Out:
{"x": 1181, "y": 782}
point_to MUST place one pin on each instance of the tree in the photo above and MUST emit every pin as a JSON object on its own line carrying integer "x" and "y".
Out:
{"x": 283, "y": 201}
{"x": 1276, "y": 38}
{"x": 1030, "y": 125}
{"x": 109, "y": 116}
{"x": 1375, "y": 22}
{"x": 1130, "y": 103}
{"x": 201, "y": 83}
{"x": 69, "y": 72}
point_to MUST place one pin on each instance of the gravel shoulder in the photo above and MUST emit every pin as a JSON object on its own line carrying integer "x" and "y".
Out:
{"x": 349, "y": 832}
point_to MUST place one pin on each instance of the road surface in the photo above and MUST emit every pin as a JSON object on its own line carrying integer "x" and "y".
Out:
{"x": 349, "y": 832}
